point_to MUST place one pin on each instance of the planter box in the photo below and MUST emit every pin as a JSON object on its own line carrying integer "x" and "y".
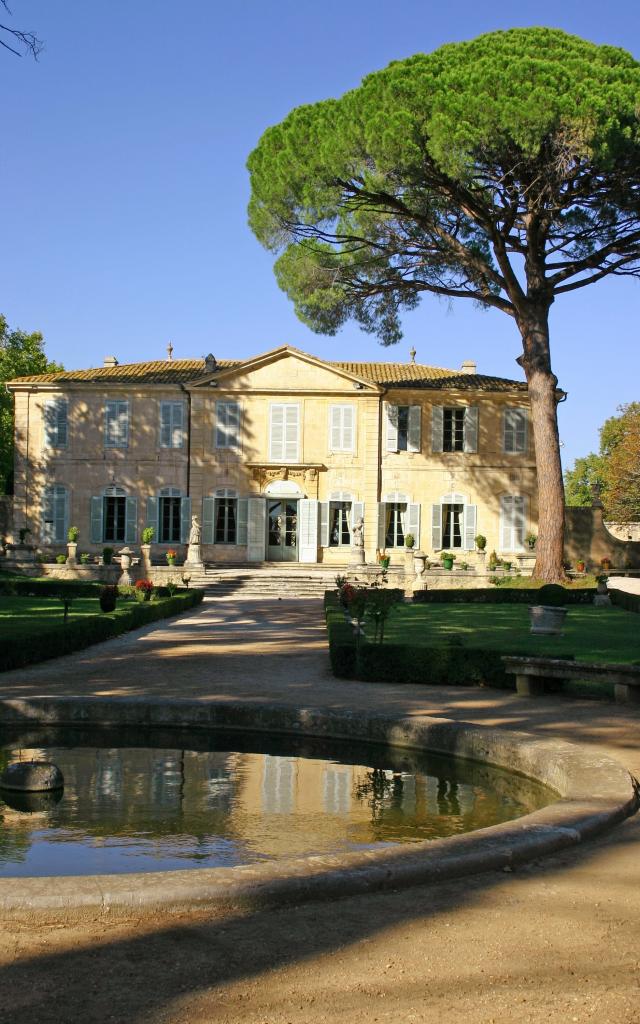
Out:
{"x": 546, "y": 619}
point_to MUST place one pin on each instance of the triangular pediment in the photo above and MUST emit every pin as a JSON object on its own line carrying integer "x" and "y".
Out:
{"x": 285, "y": 369}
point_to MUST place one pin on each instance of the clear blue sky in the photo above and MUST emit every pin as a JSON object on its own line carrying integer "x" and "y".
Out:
{"x": 124, "y": 187}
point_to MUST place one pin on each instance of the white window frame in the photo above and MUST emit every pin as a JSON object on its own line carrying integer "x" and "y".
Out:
{"x": 223, "y": 437}
{"x": 175, "y": 429}
{"x": 52, "y": 409}
{"x": 225, "y": 494}
{"x": 116, "y": 423}
{"x": 515, "y": 430}
{"x": 283, "y": 449}
{"x": 342, "y": 428}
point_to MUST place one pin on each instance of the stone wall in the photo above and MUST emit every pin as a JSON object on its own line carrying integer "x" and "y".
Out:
{"x": 6, "y": 516}
{"x": 587, "y": 537}
{"x": 624, "y": 531}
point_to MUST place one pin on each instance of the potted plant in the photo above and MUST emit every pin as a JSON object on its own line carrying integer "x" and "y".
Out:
{"x": 548, "y": 616}
{"x": 84, "y": 558}
{"x": 447, "y": 559}
{"x": 72, "y": 543}
{"x": 171, "y": 556}
{"x": 506, "y": 565}
{"x": 143, "y": 589}
{"x": 493, "y": 561}
{"x": 147, "y": 535}
{"x": 581, "y": 565}
{"x": 606, "y": 564}
{"x": 409, "y": 541}
{"x": 61, "y": 559}
{"x": 530, "y": 541}
{"x": 108, "y": 598}
{"x": 107, "y": 556}
{"x": 480, "y": 541}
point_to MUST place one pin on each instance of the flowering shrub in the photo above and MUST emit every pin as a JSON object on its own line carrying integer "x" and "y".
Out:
{"x": 144, "y": 585}
{"x": 171, "y": 556}
{"x": 347, "y": 592}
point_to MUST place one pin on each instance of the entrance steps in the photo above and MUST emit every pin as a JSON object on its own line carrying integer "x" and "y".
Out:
{"x": 269, "y": 580}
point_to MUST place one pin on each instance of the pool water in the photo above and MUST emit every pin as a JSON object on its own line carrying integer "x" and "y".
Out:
{"x": 155, "y": 801}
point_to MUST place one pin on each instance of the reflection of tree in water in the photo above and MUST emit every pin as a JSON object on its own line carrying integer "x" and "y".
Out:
{"x": 448, "y": 798}
{"x": 382, "y": 790}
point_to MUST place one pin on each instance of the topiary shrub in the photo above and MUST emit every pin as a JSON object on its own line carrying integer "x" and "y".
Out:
{"x": 553, "y": 595}
{"x": 108, "y": 598}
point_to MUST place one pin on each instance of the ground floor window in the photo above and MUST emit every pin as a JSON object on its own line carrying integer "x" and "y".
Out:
{"x": 339, "y": 523}
{"x": 55, "y": 505}
{"x": 115, "y": 518}
{"x": 395, "y": 512}
{"x": 452, "y": 526}
{"x": 226, "y": 520}
{"x": 169, "y": 520}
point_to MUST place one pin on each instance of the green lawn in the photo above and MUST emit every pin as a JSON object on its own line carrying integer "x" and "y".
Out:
{"x": 590, "y": 634}
{"x": 22, "y": 616}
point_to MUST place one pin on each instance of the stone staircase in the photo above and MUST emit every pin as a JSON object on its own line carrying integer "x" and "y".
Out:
{"x": 268, "y": 580}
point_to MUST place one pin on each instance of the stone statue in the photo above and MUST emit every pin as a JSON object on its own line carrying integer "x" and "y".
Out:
{"x": 195, "y": 533}
{"x": 357, "y": 543}
{"x": 194, "y": 551}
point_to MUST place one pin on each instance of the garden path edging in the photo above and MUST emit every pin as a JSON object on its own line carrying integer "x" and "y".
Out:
{"x": 595, "y": 792}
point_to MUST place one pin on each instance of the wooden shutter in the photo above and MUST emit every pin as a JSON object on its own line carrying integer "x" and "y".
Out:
{"x": 391, "y": 419}
{"x": 276, "y": 434}
{"x": 291, "y": 433}
{"x": 515, "y": 430}
{"x": 357, "y": 512}
{"x": 324, "y": 524}
{"x": 47, "y": 514}
{"x": 97, "y": 513}
{"x": 62, "y": 419}
{"x": 413, "y": 428}
{"x": 49, "y": 420}
{"x": 308, "y": 529}
{"x": 436, "y": 527}
{"x": 152, "y": 516}
{"x": 208, "y": 513}
{"x": 348, "y": 428}
{"x": 509, "y": 441}
{"x": 241, "y": 528}
{"x": 506, "y": 522}
{"x": 413, "y": 522}
{"x": 177, "y": 424}
{"x": 471, "y": 429}
{"x": 335, "y": 428}
{"x": 60, "y": 513}
{"x": 185, "y": 520}
{"x": 469, "y": 517}
{"x": 519, "y": 521}
{"x": 437, "y": 428}
{"x": 110, "y": 419}
{"x": 256, "y": 529}
{"x": 381, "y": 525}
{"x": 131, "y": 521}
{"x": 165, "y": 425}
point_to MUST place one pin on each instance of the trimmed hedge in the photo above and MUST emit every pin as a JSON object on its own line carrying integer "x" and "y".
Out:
{"x": 28, "y": 586}
{"x": 499, "y": 595}
{"x": 91, "y": 629}
{"x": 630, "y": 602}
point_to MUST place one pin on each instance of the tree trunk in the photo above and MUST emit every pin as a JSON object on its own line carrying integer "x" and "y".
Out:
{"x": 543, "y": 383}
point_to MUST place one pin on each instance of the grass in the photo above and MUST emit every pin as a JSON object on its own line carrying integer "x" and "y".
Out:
{"x": 21, "y": 616}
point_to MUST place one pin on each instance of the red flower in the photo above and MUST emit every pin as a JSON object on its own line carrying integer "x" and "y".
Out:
{"x": 145, "y": 585}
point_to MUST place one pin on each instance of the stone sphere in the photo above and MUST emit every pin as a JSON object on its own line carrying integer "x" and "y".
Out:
{"x": 32, "y": 777}
{"x": 30, "y": 803}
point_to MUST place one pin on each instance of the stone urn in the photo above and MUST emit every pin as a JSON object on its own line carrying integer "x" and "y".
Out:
{"x": 145, "y": 552}
{"x": 72, "y": 553}
{"x": 546, "y": 619}
{"x": 125, "y": 564}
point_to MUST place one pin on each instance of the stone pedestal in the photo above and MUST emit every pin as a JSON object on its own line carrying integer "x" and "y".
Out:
{"x": 125, "y": 564}
{"x": 356, "y": 556}
{"x": 145, "y": 553}
{"x": 72, "y": 552}
{"x": 194, "y": 557}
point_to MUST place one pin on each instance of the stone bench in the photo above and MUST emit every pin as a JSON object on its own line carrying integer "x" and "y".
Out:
{"x": 532, "y": 673}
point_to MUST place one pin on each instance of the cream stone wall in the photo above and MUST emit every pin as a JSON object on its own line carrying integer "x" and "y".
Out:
{"x": 369, "y": 473}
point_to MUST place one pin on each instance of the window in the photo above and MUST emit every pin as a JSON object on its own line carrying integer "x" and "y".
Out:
{"x": 284, "y": 433}
{"x": 226, "y": 516}
{"x": 171, "y": 424}
{"x": 453, "y": 523}
{"x": 403, "y": 428}
{"x": 512, "y": 522}
{"x": 169, "y": 516}
{"x": 55, "y": 514}
{"x": 397, "y": 516}
{"x": 455, "y": 429}
{"x": 339, "y": 523}
{"x": 56, "y": 431}
{"x": 342, "y": 428}
{"x": 394, "y": 533}
{"x": 515, "y": 430}
{"x": 116, "y": 424}
{"x": 114, "y": 517}
{"x": 227, "y": 425}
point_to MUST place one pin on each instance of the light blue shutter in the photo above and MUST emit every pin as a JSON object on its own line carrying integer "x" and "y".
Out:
{"x": 165, "y": 424}
{"x": 97, "y": 512}
{"x": 324, "y": 524}
{"x": 471, "y": 429}
{"x": 391, "y": 419}
{"x": 437, "y": 428}
{"x": 413, "y": 429}
{"x": 208, "y": 513}
{"x": 436, "y": 527}
{"x": 110, "y": 417}
{"x": 506, "y": 522}
{"x": 382, "y": 524}
{"x": 131, "y": 521}
{"x": 47, "y": 514}
{"x": 276, "y": 435}
{"x": 177, "y": 425}
{"x": 413, "y": 522}
{"x": 123, "y": 424}
{"x": 60, "y": 513}
{"x": 469, "y": 516}
{"x": 185, "y": 519}
{"x": 308, "y": 529}
{"x": 241, "y": 530}
{"x": 256, "y": 529}
{"x": 49, "y": 418}
{"x": 152, "y": 516}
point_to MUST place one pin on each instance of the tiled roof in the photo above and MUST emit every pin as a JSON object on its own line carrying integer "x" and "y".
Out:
{"x": 181, "y": 371}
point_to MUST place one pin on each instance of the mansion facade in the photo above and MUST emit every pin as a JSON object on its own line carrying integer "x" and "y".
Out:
{"x": 278, "y": 455}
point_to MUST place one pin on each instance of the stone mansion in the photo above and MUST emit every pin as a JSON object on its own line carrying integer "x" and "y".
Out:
{"x": 279, "y": 455}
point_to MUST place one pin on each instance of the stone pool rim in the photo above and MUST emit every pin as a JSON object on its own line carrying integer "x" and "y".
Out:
{"x": 594, "y": 793}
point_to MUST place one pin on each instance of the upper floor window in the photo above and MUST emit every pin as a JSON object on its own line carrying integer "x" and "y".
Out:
{"x": 116, "y": 424}
{"x": 55, "y": 514}
{"x": 227, "y": 433}
{"x": 403, "y": 428}
{"x": 284, "y": 433}
{"x": 56, "y": 428}
{"x": 455, "y": 429}
{"x": 515, "y": 430}
{"x": 171, "y": 424}
{"x": 342, "y": 433}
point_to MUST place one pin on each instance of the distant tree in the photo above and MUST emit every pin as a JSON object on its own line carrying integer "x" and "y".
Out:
{"x": 614, "y": 471}
{"x": 21, "y": 355}
{"x": 17, "y": 40}
{"x": 505, "y": 170}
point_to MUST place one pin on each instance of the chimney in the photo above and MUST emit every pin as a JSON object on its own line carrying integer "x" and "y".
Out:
{"x": 468, "y": 366}
{"x": 210, "y": 364}
{"x": 110, "y": 361}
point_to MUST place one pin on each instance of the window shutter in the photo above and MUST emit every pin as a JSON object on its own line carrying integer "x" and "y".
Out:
{"x": 49, "y": 417}
{"x": 97, "y": 511}
{"x": 165, "y": 424}
{"x": 109, "y": 424}
{"x": 391, "y": 416}
{"x": 519, "y": 521}
{"x": 60, "y": 507}
{"x": 506, "y": 522}
{"x": 276, "y": 435}
{"x": 515, "y": 430}
{"x": 469, "y": 517}
{"x": 177, "y": 426}
{"x": 348, "y": 428}
{"x": 357, "y": 512}
{"x": 256, "y": 528}
{"x": 436, "y": 527}
{"x": 521, "y": 431}
{"x": 233, "y": 425}
{"x": 413, "y": 522}
{"x": 335, "y": 428}
{"x": 152, "y": 516}
{"x": 291, "y": 438}
{"x": 437, "y": 428}
{"x": 324, "y": 524}
{"x": 509, "y": 431}
{"x": 308, "y": 531}
{"x": 123, "y": 424}
{"x": 185, "y": 520}
{"x": 208, "y": 512}
{"x": 413, "y": 432}
{"x": 471, "y": 429}
{"x": 63, "y": 424}
{"x": 381, "y": 525}
{"x": 241, "y": 530}
{"x": 48, "y": 519}
{"x": 131, "y": 521}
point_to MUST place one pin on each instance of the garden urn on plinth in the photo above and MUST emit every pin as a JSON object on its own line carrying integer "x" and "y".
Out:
{"x": 125, "y": 564}
{"x": 72, "y": 553}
